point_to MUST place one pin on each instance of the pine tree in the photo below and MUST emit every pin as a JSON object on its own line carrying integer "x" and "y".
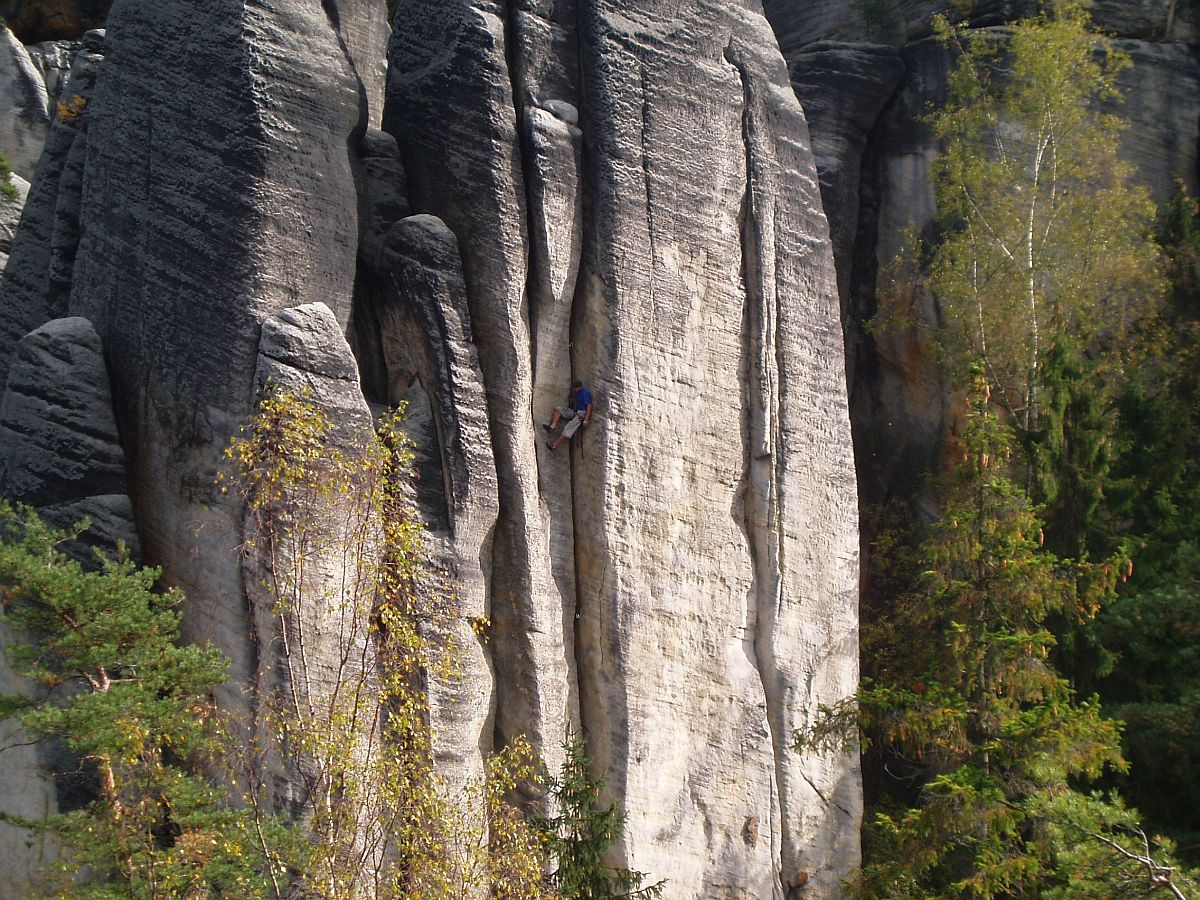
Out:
{"x": 581, "y": 834}
{"x": 113, "y": 684}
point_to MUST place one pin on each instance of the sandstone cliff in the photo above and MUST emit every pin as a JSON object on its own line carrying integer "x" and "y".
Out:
{"x": 493, "y": 198}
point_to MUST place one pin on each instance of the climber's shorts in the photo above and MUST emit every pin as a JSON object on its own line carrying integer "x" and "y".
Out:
{"x": 572, "y": 419}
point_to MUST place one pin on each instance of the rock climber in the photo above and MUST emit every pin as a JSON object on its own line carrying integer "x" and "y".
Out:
{"x": 578, "y": 411}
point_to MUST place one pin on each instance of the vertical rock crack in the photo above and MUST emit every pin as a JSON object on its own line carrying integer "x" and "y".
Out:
{"x": 762, "y": 495}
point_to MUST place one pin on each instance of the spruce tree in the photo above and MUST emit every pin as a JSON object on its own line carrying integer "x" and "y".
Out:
{"x": 989, "y": 735}
{"x": 582, "y": 833}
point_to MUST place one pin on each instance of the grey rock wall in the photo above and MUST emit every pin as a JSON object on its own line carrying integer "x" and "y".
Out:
{"x": 634, "y": 201}
{"x": 181, "y": 207}
{"x": 561, "y": 189}
{"x": 35, "y": 287}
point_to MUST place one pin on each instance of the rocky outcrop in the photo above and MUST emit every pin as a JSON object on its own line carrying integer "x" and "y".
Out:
{"x": 1161, "y": 106}
{"x": 561, "y": 189}
{"x": 24, "y": 106}
{"x": 36, "y": 283}
{"x": 799, "y": 23}
{"x": 190, "y": 241}
{"x": 672, "y": 254}
{"x": 427, "y": 346}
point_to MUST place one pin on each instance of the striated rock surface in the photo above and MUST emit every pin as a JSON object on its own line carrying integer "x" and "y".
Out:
{"x": 427, "y": 346}
{"x": 59, "y": 447}
{"x": 24, "y": 106}
{"x": 451, "y": 109}
{"x": 561, "y": 189}
{"x": 189, "y": 241}
{"x": 1162, "y": 106}
{"x": 36, "y": 283}
{"x": 665, "y": 245}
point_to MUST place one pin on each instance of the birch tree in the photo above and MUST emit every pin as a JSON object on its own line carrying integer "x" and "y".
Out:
{"x": 1044, "y": 235}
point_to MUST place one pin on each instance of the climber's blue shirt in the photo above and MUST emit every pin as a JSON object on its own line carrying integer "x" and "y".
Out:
{"x": 581, "y": 399}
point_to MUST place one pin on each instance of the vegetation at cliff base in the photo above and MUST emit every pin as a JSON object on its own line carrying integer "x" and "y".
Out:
{"x": 358, "y": 631}
{"x": 983, "y": 736}
{"x": 581, "y": 833}
{"x": 323, "y": 784}
{"x": 8, "y": 190}
{"x": 109, "y": 680}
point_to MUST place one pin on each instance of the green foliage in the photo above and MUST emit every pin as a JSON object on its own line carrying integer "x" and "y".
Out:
{"x": 114, "y": 686}
{"x": 1047, "y": 274}
{"x": 1045, "y": 243}
{"x": 1100, "y": 850}
{"x": 580, "y": 836}
{"x": 8, "y": 190}
{"x": 1071, "y": 452}
{"x": 359, "y": 633}
{"x": 1180, "y": 237}
{"x": 985, "y": 733}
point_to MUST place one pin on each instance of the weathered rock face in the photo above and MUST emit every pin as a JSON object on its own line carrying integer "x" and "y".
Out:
{"x": 24, "y": 107}
{"x": 59, "y": 448}
{"x": 53, "y": 61}
{"x": 36, "y": 285}
{"x": 562, "y": 188}
{"x": 683, "y": 579}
